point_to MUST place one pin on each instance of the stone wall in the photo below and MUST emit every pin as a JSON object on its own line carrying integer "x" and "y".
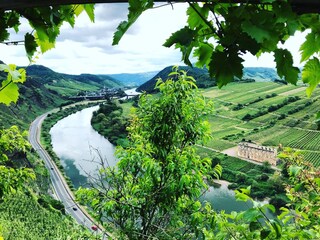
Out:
{"x": 257, "y": 153}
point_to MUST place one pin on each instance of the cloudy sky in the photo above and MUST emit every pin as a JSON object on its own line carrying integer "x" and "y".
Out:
{"x": 88, "y": 47}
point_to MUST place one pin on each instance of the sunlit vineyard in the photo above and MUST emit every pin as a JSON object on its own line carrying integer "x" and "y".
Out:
{"x": 21, "y": 217}
{"x": 267, "y": 113}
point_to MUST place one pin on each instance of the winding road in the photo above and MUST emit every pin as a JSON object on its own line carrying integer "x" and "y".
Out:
{"x": 61, "y": 188}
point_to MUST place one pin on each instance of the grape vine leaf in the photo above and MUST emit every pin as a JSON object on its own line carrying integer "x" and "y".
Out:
{"x": 224, "y": 66}
{"x": 284, "y": 62}
{"x": 30, "y": 45}
{"x": 89, "y": 8}
{"x": 183, "y": 37}
{"x": 43, "y": 41}
{"x": 136, "y": 8}
{"x": 203, "y": 52}
{"x": 9, "y": 89}
{"x": 310, "y": 74}
{"x": 256, "y": 32}
{"x": 194, "y": 20}
{"x": 8, "y": 92}
{"x": 310, "y": 46}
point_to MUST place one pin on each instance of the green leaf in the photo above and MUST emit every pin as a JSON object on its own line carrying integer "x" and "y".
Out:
{"x": 224, "y": 66}
{"x": 194, "y": 20}
{"x": 310, "y": 74}
{"x": 8, "y": 92}
{"x": 256, "y": 32}
{"x": 30, "y": 45}
{"x": 89, "y": 8}
{"x": 78, "y": 9}
{"x": 284, "y": 63}
{"x": 183, "y": 37}
{"x": 203, "y": 52}
{"x": 294, "y": 170}
{"x": 136, "y": 7}
{"x": 310, "y": 46}
{"x": 43, "y": 41}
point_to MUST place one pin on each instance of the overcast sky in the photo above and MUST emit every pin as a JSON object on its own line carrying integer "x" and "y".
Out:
{"x": 88, "y": 47}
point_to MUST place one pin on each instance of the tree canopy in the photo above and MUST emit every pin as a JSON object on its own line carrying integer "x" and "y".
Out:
{"x": 218, "y": 33}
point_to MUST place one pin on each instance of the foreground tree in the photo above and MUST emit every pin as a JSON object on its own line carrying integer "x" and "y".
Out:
{"x": 154, "y": 190}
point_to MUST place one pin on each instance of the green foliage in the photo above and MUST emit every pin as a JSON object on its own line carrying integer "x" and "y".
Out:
{"x": 110, "y": 123}
{"x": 21, "y": 217}
{"x": 9, "y": 88}
{"x": 135, "y": 10}
{"x": 310, "y": 74}
{"x": 218, "y": 34}
{"x": 12, "y": 179}
{"x": 154, "y": 189}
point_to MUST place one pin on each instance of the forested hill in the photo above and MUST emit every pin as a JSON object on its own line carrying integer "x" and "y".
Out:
{"x": 46, "y": 89}
{"x": 203, "y": 79}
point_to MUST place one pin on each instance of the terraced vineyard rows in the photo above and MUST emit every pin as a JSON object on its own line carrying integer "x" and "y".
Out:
{"x": 274, "y": 119}
{"x": 22, "y": 217}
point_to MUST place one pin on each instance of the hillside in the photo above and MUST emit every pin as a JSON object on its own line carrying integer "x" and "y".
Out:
{"x": 258, "y": 74}
{"x": 68, "y": 85}
{"x": 132, "y": 79}
{"x": 267, "y": 113}
{"x": 46, "y": 89}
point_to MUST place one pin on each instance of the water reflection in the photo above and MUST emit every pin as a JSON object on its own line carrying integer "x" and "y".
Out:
{"x": 74, "y": 141}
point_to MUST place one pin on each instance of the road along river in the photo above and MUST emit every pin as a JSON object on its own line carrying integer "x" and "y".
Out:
{"x": 61, "y": 188}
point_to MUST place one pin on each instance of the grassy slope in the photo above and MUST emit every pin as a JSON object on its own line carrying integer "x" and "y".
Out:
{"x": 297, "y": 130}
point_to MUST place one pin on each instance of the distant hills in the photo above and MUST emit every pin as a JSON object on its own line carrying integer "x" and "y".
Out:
{"x": 133, "y": 79}
{"x": 46, "y": 89}
{"x": 203, "y": 79}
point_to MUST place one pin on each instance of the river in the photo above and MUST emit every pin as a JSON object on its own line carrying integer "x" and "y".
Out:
{"x": 76, "y": 144}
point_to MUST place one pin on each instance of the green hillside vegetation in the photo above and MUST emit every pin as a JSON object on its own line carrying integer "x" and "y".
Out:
{"x": 111, "y": 123}
{"x": 28, "y": 217}
{"x": 272, "y": 114}
{"x": 70, "y": 85}
{"x": 203, "y": 80}
{"x": 201, "y": 75}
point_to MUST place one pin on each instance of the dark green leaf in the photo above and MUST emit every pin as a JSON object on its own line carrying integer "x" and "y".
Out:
{"x": 203, "y": 52}
{"x": 224, "y": 66}
{"x": 254, "y": 226}
{"x": 182, "y": 37}
{"x": 264, "y": 233}
{"x": 30, "y": 45}
{"x": 284, "y": 63}
{"x": 256, "y": 32}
